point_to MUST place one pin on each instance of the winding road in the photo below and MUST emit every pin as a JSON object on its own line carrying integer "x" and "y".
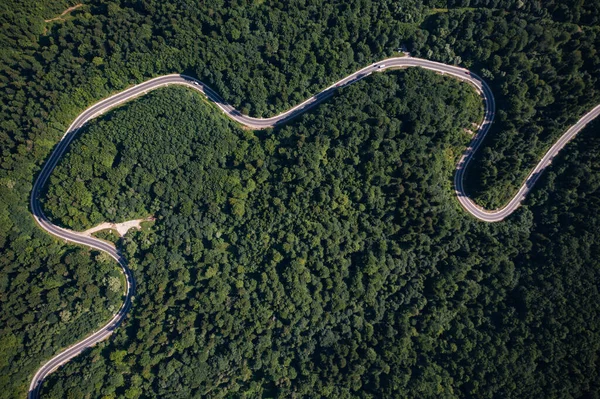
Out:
{"x": 259, "y": 123}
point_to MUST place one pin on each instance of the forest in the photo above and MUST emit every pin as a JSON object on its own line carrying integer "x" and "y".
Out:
{"x": 540, "y": 58}
{"x": 329, "y": 257}
{"x": 544, "y": 75}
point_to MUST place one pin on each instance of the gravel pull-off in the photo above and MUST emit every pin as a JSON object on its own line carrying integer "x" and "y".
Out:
{"x": 122, "y": 228}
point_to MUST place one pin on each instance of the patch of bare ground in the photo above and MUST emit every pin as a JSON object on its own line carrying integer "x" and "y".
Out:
{"x": 65, "y": 12}
{"x": 121, "y": 228}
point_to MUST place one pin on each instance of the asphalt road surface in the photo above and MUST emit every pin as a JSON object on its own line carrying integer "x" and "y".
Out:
{"x": 262, "y": 123}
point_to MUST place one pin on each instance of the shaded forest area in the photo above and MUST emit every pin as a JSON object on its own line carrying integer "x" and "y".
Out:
{"x": 329, "y": 258}
{"x": 262, "y": 57}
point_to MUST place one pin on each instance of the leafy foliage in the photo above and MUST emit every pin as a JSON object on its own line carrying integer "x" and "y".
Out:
{"x": 540, "y": 57}
{"x": 51, "y": 297}
{"x": 545, "y": 75}
{"x": 330, "y": 258}
{"x": 49, "y": 72}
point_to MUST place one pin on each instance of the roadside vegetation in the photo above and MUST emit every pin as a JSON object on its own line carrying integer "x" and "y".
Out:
{"x": 543, "y": 68}
{"x": 541, "y": 59}
{"x": 52, "y": 296}
{"x": 110, "y": 235}
{"x": 329, "y": 257}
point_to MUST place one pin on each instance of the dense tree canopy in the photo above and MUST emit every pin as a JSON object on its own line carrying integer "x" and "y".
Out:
{"x": 329, "y": 257}
{"x": 544, "y": 75}
{"x": 541, "y": 59}
{"x": 52, "y": 296}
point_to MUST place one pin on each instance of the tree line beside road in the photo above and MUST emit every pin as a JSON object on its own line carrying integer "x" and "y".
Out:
{"x": 330, "y": 258}
{"x": 544, "y": 75}
{"x": 50, "y": 72}
{"x": 262, "y": 57}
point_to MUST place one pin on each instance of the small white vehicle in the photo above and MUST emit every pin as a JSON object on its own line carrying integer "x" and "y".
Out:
{"x": 196, "y": 83}
{"x": 381, "y": 66}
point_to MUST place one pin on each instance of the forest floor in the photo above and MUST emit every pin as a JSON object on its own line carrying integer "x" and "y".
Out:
{"x": 121, "y": 228}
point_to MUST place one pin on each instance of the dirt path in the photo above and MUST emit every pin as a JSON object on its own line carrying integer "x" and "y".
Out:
{"x": 121, "y": 228}
{"x": 65, "y": 12}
